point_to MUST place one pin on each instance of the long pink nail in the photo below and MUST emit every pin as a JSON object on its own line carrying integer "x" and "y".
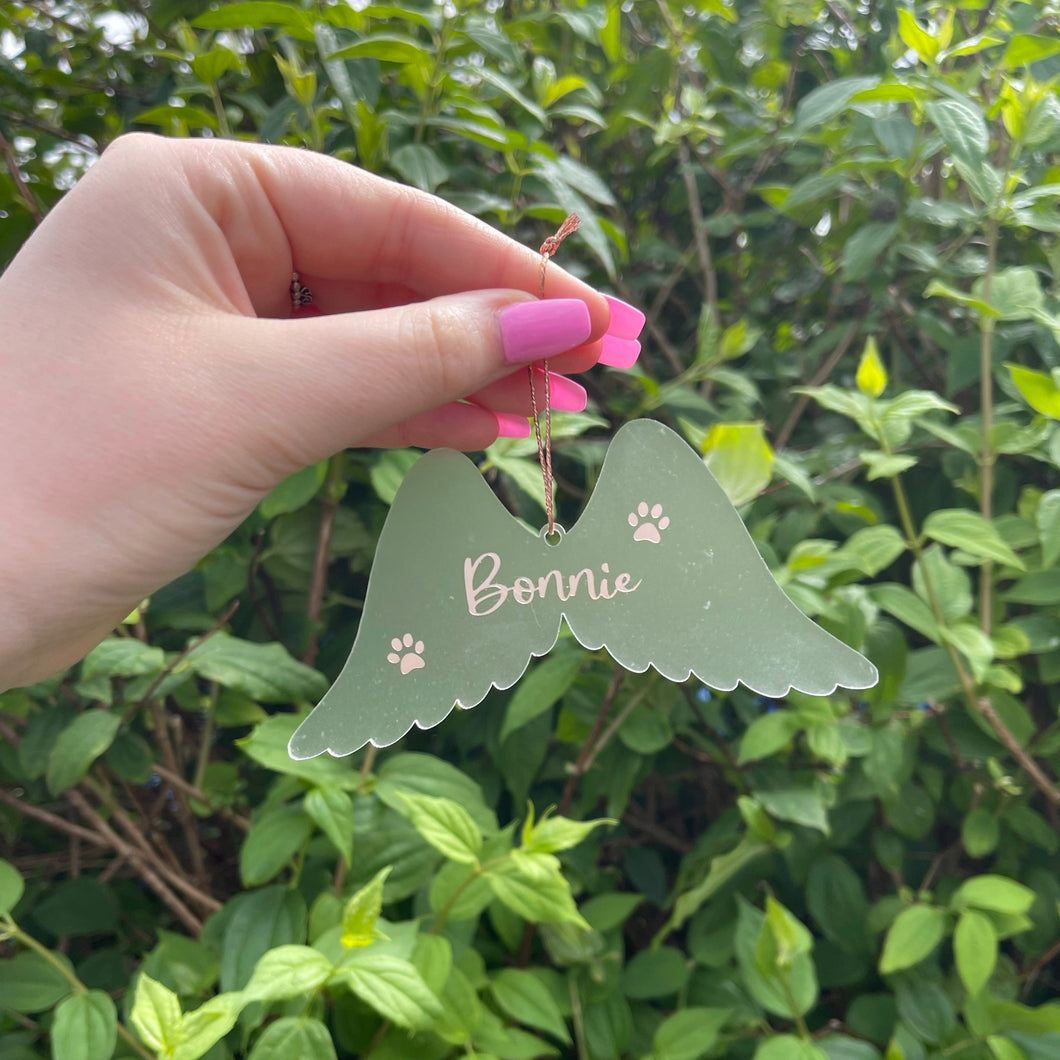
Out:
{"x": 511, "y": 426}
{"x": 565, "y": 395}
{"x": 532, "y": 331}
{"x": 619, "y": 353}
{"x": 626, "y": 320}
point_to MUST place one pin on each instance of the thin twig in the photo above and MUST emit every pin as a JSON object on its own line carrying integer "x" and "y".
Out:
{"x": 192, "y": 645}
{"x": 23, "y": 189}
{"x": 132, "y": 854}
{"x": 586, "y": 755}
{"x": 826, "y": 368}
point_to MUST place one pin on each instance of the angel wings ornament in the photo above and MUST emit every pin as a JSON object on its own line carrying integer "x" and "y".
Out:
{"x": 659, "y": 571}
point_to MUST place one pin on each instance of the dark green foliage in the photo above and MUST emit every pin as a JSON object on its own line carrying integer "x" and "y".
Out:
{"x": 841, "y": 218}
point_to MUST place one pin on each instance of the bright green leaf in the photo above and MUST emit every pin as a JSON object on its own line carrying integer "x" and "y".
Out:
{"x": 974, "y": 949}
{"x": 85, "y": 1027}
{"x": 913, "y": 935}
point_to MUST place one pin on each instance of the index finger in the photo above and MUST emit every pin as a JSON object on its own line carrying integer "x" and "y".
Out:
{"x": 343, "y": 224}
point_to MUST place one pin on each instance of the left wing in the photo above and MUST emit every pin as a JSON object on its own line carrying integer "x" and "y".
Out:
{"x": 419, "y": 651}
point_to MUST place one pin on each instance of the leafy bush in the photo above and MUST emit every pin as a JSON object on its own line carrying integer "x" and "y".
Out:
{"x": 842, "y": 221}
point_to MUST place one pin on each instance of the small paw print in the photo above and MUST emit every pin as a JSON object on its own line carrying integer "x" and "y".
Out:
{"x": 407, "y": 653}
{"x": 647, "y": 522}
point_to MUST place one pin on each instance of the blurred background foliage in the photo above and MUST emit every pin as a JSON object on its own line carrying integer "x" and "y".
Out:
{"x": 841, "y": 220}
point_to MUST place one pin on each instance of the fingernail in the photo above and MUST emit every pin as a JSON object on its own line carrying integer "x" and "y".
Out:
{"x": 511, "y": 426}
{"x": 565, "y": 395}
{"x": 626, "y": 320}
{"x": 532, "y": 331}
{"x": 619, "y": 353}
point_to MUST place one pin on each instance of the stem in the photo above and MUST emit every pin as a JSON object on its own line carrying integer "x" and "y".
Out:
{"x": 577, "y": 1019}
{"x": 329, "y": 506}
{"x": 219, "y": 109}
{"x": 789, "y": 997}
{"x": 986, "y": 398}
{"x": 979, "y": 703}
{"x": 15, "y": 932}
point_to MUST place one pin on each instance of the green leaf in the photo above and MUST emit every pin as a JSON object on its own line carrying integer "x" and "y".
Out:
{"x": 798, "y": 804}
{"x": 386, "y": 47}
{"x": 255, "y": 923}
{"x": 796, "y": 993}
{"x": 912, "y": 936}
{"x": 286, "y": 972}
{"x": 558, "y": 833}
{"x": 156, "y": 1015}
{"x": 1026, "y": 48}
{"x": 1038, "y": 389}
{"x": 11, "y": 887}
{"x": 446, "y": 825}
{"x": 788, "y": 1047}
{"x": 1015, "y": 293}
{"x": 362, "y": 911}
{"x": 885, "y": 465}
{"x": 29, "y": 983}
{"x": 532, "y": 886}
{"x": 980, "y": 833}
{"x": 874, "y": 548}
{"x": 653, "y": 973}
{"x": 826, "y": 101}
{"x": 265, "y": 672}
{"x": 1048, "y": 520}
{"x": 331, "y": 810}
{"x": 1004, "y": 1048}
{"x": 419, "y": 166}
{"x": 274, "y": 838}
{"x": 294, "y": 1038}
{"x": 871, "y": 376}
{"x": 996, "y": 894}
{"x": 836, "y": 900}
{"x": 740, "y": 458}
{"x": 861, "y": 256}
{"x": 295, "y": 491}
{"x": 540, "y": 689}
{"x": 254, "y": 14}
{"x": 427, "y": 775}
{"x": 122, "y": 657}
{"x": 524, "y": 997}
{"x": 974, "y": 949}
{"x": 202, "y": 1028}
{"x": 969, "y": 531}
{"x": 723, "y": 867}
{"x": 391, "y": 986}
{"x": 915, "y": 37}
{"x": 689, "y": 1033}
{"x": 85, "y": 1027}
{"x": 768, "y": 734}
{"x": 78, "y": 746}
{"x": 962, "y": 127}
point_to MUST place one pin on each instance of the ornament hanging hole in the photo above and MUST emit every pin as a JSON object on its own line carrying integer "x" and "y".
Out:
{"x": 555, "y": 537}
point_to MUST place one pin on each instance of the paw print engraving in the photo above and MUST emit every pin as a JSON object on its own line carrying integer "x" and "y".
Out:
{"x": 647, "y": 522}
{"x": 407, "y": 654}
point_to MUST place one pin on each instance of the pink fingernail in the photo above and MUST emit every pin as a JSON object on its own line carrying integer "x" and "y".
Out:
{"x": 532, "y": 331}
{"x": 565, "y": 395}
{"x": 619, "y": 353}
{"x": 511, "y": 426}
{"x": 626, "y": 320}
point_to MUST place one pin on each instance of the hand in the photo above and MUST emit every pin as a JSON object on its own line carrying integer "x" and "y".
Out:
{"x": 153, "y": 387}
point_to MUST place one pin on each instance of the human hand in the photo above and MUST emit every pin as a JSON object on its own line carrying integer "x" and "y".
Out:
{"x": 154, "y": 388}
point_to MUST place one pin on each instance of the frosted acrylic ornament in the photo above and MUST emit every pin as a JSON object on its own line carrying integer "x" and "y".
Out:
{"x": 659, "y": 571}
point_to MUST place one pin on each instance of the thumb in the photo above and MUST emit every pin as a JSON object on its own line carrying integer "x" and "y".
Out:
{"x": 312, "y": 386}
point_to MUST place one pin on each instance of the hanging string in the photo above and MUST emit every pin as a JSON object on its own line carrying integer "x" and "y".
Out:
{"x": 544, "y": 445}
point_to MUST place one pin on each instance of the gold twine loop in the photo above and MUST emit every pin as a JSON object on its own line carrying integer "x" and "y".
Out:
{"x": 544, "y": 445}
